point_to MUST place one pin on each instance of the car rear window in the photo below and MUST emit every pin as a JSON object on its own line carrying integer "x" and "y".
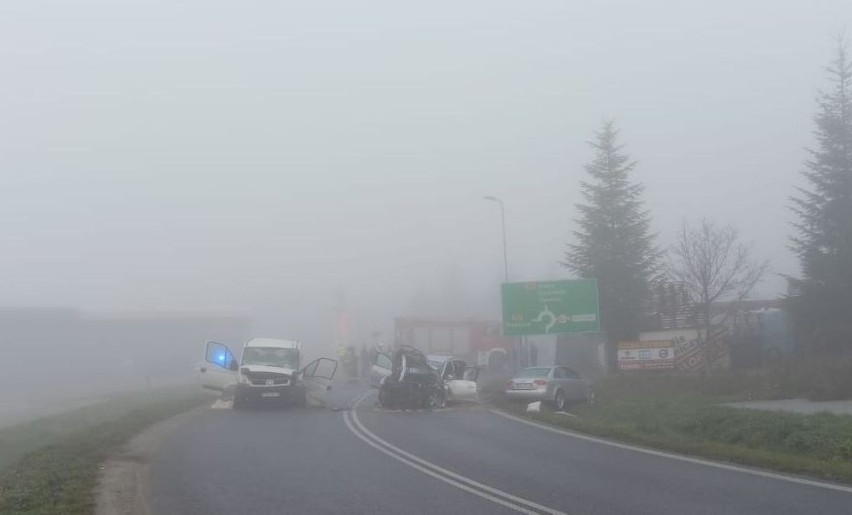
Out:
{"x": 534, "y": 372}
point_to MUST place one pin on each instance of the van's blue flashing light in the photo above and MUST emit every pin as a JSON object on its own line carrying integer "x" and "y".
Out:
{"x": 222, "y": 358}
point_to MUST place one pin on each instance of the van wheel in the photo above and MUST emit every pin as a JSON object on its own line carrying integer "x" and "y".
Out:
{"x": 301, "y": 400}
{"x": 559, "y": 401}
{"x": 239, "y": 402}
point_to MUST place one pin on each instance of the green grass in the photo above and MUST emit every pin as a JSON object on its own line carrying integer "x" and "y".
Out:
{"x": 51, "y": 465}
{"x": 815, "y": 379}
{"x": 684, "y": 415}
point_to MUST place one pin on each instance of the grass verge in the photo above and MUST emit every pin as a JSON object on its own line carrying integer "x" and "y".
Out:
{"x": 682, "y": 421}
{"x": 51, "y": 465}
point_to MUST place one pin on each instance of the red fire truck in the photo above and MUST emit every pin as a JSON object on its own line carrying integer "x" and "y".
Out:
{"x": 469, "y": 339}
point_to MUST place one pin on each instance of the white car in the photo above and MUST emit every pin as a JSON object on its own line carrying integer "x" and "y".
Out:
{"x": 268, "y": 370}
{"x": 459, "y": 379}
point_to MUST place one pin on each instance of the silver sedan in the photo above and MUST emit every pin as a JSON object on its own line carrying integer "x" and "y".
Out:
{"x": 555, "y": 385}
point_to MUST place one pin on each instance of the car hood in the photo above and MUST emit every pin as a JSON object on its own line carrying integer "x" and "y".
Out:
{"x": 268, "y": 369}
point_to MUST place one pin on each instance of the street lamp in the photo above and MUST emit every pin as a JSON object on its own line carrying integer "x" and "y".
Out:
{"x": 492, "y": 198}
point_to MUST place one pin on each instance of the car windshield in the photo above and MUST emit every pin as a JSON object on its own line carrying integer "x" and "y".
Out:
{"x": 417, "y": 365}
{"x": 534, "y": 372}
{"x": 271, "y": 356}
{"x": 436, "y": 361}
{"x": 419, "y": 369}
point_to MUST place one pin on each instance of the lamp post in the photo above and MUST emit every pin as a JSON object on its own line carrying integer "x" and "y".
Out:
{"x": 503, "y": 223}
{"x": 492, "y": 198}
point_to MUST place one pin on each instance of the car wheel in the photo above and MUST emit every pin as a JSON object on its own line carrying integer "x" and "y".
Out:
{"x": 559, "y": 401}
{"x": 435, "y": 399}
{"x": 384, "y": 399}
{"x": 590, "y": 395}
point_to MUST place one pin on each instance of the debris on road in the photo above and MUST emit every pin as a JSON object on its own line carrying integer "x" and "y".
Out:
{"x": 534, "y": 407}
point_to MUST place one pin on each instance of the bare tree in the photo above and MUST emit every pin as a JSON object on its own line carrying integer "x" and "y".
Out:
{"x": 714, "y": 266}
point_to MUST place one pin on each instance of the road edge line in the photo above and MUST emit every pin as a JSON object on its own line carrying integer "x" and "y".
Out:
{"x": 465, "y": 483}
{"x": 678, "y": 457}
{"x": 435, "y": 475}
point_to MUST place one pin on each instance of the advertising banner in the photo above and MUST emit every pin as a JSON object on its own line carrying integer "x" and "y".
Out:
{"x": 650, "y": 355}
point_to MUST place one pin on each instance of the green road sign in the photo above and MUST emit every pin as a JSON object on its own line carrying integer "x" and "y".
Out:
{"x": 550, "y": 307}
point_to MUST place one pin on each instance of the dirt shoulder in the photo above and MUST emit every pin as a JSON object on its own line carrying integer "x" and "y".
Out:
{"x": 123, "y": 483}
{"x": 54, "y": 465}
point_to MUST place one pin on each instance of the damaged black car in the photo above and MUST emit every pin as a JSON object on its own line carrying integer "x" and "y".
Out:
{"x": 412, "y": 383}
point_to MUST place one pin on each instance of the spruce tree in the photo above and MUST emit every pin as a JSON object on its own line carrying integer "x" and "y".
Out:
{"x": 823, "y": 208}
{"x": 613, "y": 243}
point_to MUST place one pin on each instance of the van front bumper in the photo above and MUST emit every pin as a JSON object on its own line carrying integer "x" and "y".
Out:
{"x": 280, "y": 393}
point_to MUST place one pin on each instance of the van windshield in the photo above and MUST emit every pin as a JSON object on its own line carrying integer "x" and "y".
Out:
{"x": 271, "y": 356}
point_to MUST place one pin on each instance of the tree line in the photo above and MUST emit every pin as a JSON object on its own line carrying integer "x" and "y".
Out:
{"x": 615, "y": 244}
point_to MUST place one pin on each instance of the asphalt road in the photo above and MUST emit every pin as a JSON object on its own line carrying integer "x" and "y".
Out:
{"x": 468, "y": 461}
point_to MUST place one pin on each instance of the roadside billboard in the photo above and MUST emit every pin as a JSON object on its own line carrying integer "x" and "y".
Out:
{"x": 689, "y": 355}
{"x": 647, "y": 355}
{"x": 551, "y": 307}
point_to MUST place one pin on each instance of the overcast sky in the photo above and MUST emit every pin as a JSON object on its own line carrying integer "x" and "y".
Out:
{"x": 273, "y": 156}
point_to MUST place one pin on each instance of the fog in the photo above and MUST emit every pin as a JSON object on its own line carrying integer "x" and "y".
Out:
{"x": 280, "y": 159}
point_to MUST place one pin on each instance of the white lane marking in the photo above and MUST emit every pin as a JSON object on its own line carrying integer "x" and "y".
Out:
{"x": 434, "y": 474}
{"x": 462, "y": 482}
{"x": 688, "y": 459}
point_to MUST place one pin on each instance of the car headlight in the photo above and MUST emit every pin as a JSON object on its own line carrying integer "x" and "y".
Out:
{"x": 243, "y": 379}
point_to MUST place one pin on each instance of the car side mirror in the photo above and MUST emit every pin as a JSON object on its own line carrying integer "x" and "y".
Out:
{"x": 234, "y": 366}
{"x": 450, "y": 377}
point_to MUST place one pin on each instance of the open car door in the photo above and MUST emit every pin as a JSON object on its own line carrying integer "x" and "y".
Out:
{"x": 318, "y": 375}
{"x": 471, "y": 374}
{"x": 460, "y": 381}
{"x": 380, "y": 369}
{"x": 453, "y": 370}
{"x": 219, "y": 370}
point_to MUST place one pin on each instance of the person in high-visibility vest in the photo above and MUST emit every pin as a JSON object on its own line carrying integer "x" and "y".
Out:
{"x": 348, "y": 361}
{"x": 365, "y": 361}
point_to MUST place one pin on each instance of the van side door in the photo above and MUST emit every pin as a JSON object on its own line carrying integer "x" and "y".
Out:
{"x": 220, "y": 368}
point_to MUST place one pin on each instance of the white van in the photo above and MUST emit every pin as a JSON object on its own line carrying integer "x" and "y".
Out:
{"x": 268, "y": 370}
